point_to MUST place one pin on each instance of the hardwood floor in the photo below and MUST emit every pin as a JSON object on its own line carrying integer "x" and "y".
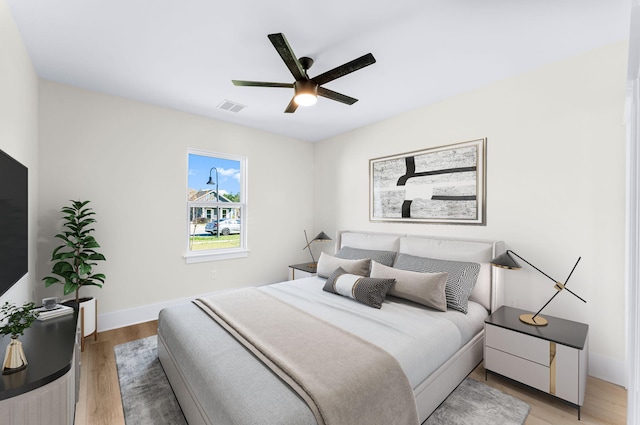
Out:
{"x": 100, "y": 401}
{"x": 605, "y": 403}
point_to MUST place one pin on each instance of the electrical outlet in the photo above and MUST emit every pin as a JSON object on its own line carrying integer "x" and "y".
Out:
{"x": 214, "y": 274}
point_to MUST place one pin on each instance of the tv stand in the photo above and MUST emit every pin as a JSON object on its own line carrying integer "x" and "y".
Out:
{"x": 47, "y": 390}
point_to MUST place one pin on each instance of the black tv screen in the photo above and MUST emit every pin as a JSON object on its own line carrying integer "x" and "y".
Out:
{"x": 14, "y": 230}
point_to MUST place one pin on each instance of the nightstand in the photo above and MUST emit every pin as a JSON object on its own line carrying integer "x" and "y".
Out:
{"x": 552, "y": 358}
{"x": 299, "y": 271}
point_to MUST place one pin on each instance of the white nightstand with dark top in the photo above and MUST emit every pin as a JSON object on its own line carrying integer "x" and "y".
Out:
{"x": 300, "y": 271}
{"x": 552, "y": 358}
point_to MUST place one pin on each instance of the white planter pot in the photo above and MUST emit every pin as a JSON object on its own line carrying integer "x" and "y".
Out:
{"x": 88, "y": 313}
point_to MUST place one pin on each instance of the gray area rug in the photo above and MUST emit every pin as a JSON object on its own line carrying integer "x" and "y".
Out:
{"x": 147, "y": 397}
{"x": 475, "y": 403}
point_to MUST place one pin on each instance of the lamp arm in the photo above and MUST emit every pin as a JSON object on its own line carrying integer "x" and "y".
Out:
{"x": 552, "y": 279}
{"x": 308, "y": 246}
{"x": 546, "y": 304}
{"x": 557, "y": 287}
{"x": 551, "y": 299}
{"x": 313, "y": 260}
{"x": 569, "y": 277}
{"x": 307, "y": 240}
{"x": 576, "y": 295}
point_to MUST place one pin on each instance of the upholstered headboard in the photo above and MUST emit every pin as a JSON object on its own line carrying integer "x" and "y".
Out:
{"x": 488, "y": 290}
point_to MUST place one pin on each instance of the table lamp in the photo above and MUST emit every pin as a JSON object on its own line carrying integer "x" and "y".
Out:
{"x": 322, "y": 237}
{"x": 506, "y": 261}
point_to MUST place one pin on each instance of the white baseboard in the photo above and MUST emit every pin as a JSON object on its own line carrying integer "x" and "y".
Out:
{"x": 608, "y": 369}
{"x": 135, "y": 315}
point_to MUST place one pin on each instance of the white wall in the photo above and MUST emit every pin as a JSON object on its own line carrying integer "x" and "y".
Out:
{"x": 19, "y": 131}
{"x": 130, "y": 160}
{"x": 555, "y": 184}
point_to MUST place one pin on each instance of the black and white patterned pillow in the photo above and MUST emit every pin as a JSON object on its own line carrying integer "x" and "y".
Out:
{"x": 367, "y": 290}
{"x": 461, "y": 279}
{"x": 382, "y": 257}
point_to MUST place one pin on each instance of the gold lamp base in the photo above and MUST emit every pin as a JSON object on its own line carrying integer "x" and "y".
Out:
{"x": 528, "y": 319}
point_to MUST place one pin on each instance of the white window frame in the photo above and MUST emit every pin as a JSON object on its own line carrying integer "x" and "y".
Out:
{"x": 220, "y": 254}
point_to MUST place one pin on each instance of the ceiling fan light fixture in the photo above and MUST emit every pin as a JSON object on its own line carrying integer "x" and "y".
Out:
{"x": 307, "y": 90}
{"x": 306, "y": 93}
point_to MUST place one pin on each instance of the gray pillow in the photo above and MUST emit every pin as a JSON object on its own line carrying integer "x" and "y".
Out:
{"x": 382, "y": 257}
{"x": 327, "y": 264}
{"x": 367, "y": 290}
{"x": 422, "y": 288}
{"x": 461, "y": 279}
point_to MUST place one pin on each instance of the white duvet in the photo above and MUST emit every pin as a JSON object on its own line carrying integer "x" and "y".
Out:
{"x": 421, "y": 339}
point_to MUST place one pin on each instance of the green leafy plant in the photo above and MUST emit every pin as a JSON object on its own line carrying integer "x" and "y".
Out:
{"x": 74, "y": 260}
{"x": 17, "y": 319}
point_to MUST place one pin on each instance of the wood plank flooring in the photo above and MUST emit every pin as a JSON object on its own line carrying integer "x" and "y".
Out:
{"x": 605, "y": 403}
{"x": 100, "y": 403}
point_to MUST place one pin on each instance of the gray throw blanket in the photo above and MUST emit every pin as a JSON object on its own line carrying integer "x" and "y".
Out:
{"x": 343, "y": 378}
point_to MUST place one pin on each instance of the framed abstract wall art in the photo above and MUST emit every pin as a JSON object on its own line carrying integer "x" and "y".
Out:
{"x": 445, "y": 184}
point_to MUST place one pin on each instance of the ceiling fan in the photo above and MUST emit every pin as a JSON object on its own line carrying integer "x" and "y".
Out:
{"x": 306, "y": 90}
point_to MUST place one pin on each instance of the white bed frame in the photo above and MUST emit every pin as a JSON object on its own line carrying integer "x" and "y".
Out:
{"x": 437, "y": 387}
{"x": 488, "y": 292}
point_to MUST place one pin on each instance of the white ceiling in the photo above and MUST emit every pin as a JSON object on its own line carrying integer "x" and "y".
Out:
{"x": 183, "y": 54}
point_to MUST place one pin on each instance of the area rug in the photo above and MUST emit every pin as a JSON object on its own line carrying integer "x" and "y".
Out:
{"x": 475, "y": 403}
{"x": 147, "y": 397}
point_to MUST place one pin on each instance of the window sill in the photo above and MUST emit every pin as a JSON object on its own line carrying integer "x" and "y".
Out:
{"x": 201, "y": 257}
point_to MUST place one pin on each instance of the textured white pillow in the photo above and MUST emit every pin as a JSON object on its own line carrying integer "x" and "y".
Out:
{"x": 422, "y": 288}
{"x": 327, "y": 264}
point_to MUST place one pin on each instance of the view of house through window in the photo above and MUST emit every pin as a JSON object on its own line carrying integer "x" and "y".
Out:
{"x": 216, "y": 202}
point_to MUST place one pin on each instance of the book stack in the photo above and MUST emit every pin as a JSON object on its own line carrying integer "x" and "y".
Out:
{"x": 57, "y": 311}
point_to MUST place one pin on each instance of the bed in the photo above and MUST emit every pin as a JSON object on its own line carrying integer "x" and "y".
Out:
{"x": 217, "y": 380}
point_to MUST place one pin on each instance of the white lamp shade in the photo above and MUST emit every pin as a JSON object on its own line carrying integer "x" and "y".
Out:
{"x": 306, "y": 93}
{"x": 305, "y": 99}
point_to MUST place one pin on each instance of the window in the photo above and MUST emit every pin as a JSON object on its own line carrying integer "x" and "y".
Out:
{"x": 217, "y": 206}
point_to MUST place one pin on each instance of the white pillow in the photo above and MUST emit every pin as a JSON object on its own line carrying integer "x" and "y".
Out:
{"x": 327, "y": 264}
{"x": 423, "y": 288}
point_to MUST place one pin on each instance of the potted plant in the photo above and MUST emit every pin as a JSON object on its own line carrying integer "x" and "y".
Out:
{"x": 73, "y": 261}
{"x": 15, "y": 321}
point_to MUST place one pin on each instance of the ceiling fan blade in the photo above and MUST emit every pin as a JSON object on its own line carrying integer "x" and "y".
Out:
{"x": 291, "y": 107}
{"x": 260, "y": 84}
{"x": 344, "y": 69}
{"x": 286, "y": 53}
{"x": 330, "y": 94}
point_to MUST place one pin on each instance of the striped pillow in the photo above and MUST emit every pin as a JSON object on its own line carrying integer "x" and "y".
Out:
{"x": 367, "y": 290}
{"x": 382, "y": 257}
{"x": 461, "y": 279}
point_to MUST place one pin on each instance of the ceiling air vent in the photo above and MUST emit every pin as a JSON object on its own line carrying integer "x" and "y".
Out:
{"x": 229, "y": 105}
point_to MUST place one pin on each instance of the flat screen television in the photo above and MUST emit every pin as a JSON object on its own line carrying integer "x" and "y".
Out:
{"x": 14, "y": 213}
